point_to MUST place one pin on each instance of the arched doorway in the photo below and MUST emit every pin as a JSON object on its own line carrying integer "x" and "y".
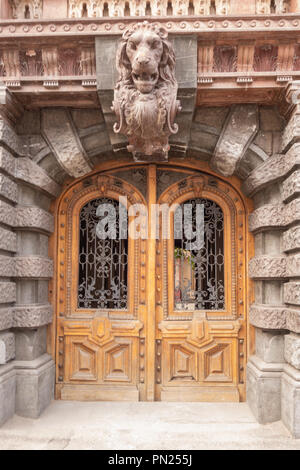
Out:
{"x": 157, "y": 316}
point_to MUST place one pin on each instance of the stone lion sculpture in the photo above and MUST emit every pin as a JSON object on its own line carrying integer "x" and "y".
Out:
{"x": 145, "y": 95}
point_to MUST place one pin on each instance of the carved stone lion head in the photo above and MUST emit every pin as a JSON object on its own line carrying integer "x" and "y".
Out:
{"x": 145, "y": 95}
{"x": 145, "y": 57}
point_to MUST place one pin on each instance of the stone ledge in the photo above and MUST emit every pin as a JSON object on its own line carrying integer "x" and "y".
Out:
{"x": 290, "y": 399}
{"x": 29, "y": 172}
{"x": 32, "y": 316}
{"x": 8, "y": 292}
{"x": 270, "y": 317}
{"x": 292, "y": 293}
{"x": 34, "y": 267}
{"x": 273, "y": 169}
{"x": 34, "y": 218}
{"x": 266, "y": 267}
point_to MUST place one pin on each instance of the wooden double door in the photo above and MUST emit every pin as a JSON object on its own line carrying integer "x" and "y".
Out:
{"x": 154, "y": 309}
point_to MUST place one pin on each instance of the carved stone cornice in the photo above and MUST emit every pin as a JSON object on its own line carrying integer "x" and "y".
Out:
{"x": 211, "y": 25}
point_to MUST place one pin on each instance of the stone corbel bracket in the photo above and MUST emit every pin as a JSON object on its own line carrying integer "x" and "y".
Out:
{"x": 239, "y": 131}
{"x": 59, "y": 132}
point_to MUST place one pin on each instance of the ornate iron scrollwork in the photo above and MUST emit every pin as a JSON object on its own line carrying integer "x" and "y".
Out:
{"x": 199, "y": 274}
{"x": 103, "y": 264}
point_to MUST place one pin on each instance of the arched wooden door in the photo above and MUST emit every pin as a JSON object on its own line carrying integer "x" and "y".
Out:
{"x": 152, "y": 316}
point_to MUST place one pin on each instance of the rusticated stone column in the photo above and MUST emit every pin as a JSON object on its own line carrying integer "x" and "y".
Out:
{"x": 273, "y": 373}
{"x": 26, "y": 371}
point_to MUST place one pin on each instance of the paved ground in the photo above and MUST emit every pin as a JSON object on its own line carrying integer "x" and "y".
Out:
{"x": 119, "y": 426}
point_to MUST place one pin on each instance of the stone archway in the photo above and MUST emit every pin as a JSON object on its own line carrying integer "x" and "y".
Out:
{"x": 32, "y": 176}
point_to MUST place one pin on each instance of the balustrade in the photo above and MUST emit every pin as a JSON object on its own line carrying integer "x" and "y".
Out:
{"x": 56, "y": 9}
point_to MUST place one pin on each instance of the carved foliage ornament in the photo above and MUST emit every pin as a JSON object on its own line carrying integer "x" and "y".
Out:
{"x": 145, "y": 95}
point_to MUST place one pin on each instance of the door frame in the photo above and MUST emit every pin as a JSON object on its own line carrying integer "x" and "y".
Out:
{"x": 148, "y": 392}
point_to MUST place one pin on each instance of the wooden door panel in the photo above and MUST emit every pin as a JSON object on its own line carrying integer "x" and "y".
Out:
{"x": 99, "y": 347}
{"x": 201, "y": 353}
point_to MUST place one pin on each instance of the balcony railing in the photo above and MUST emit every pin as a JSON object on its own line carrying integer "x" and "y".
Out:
{"x": 44, "y": 9}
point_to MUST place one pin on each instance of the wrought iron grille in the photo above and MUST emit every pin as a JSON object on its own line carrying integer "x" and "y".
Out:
{"x": 103, "y": 264}
{"x": 199, "y": 274}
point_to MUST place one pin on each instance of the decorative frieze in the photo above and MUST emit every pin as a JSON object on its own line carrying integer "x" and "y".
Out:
{"x": 33, "y": 174}
{"x": 266, "y": 267}
{"x": 240, "y": 129}
{"x": 34, "y": 218}
{"x": 7, "y": 292}
{"x": 292, "y": 293}
{"x": 273, "y": 169}
{"x": 50, "y": 61}
{"x": 33, "y": 267}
